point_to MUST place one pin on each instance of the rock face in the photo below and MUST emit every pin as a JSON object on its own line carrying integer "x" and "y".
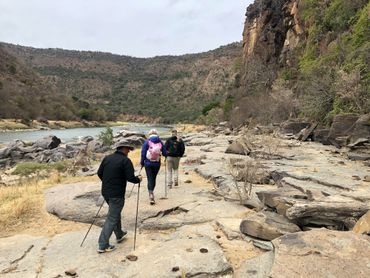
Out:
{"x": 321, "y": 253}
{"x": 267, "y": 225}
{"x": 360, "y": 129}
{"x": 77, "y": 202}
{"x": 363, "y": 224}
{"x": 341, "y": 126}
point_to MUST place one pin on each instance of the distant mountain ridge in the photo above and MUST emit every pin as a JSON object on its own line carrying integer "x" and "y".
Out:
{"x": 166, "y": 88}
{"x": 25, "y": 95}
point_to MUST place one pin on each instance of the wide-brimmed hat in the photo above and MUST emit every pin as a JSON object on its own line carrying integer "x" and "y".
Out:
{"x": 123, "y": 143}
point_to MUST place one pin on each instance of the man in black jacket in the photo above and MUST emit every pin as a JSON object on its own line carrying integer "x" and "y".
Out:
{"x": 114, "y": 171}
{"x": 175, "y": 149}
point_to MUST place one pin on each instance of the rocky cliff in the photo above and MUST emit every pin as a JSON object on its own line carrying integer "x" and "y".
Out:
{"x": 304, "y": 57}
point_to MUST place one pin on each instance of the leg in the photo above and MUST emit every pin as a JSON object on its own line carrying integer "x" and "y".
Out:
{"x": 176, "y": 162}
{"x": 169, "y": 171}
{"x": 111, "y": 222}
{"x": 150, "y": 177}
{"x": 155, "y": 170}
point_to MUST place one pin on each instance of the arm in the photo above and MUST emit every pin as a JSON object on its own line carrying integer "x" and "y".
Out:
{"x": 166, "y": 145}
{"x": 130, "y": 172}
{"x": 182, "y": 148}
{"x": 143, "y": 152}
{"x": 101, "y": 169}
{"x": 164, "y": 151}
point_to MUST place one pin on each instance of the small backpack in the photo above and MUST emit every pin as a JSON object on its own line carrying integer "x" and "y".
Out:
{"x": 154, "y": 151}
{"x": 174, "y": 148}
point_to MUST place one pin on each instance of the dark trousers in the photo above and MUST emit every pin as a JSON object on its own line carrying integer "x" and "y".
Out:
{"x": 151, "y": 174}
{"x": 112, "y": 222}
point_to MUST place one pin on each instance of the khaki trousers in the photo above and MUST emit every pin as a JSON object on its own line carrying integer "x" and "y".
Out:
{"x": 172, "y": 164}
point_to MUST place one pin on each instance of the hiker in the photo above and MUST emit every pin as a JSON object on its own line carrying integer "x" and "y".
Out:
{"x": 151, "y": 159}
{"x": 114, "y": 172}
{"x": 175, "y": 149}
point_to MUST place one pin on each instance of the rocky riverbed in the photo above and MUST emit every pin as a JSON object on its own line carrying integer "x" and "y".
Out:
{"x": 258, "y": 207}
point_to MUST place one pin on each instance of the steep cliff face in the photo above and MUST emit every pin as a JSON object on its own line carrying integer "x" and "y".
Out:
{"x": 299, "y": 54}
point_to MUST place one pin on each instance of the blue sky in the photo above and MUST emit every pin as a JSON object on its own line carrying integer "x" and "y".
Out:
{"x": 141, "y": 28}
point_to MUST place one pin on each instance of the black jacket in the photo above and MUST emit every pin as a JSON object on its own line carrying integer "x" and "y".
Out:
{"x": 179, "y": 152}
{"x": 114, "y": 171}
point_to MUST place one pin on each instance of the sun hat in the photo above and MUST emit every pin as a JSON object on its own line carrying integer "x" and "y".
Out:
{"x": 124, "y": 143}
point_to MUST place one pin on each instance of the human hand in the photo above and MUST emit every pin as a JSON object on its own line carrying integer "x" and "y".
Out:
{"x": 140, "y": 177}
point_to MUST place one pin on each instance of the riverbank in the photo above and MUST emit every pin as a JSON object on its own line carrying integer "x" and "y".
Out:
{"x": 7, "y": 125}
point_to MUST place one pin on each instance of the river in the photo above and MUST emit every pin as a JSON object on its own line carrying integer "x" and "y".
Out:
{"x": 68, "y": 135}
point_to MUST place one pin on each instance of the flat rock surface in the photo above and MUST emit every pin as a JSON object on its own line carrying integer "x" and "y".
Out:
{"x": 321, "y": 253}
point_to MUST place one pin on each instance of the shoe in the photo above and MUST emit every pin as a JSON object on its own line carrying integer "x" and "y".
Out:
{"x": 110, "y": 248}
{"x": 176, "y": 184}
{"x": 119, "y": 240}
{"x": 170, "y": 186}
{"x": 151, "y": 198}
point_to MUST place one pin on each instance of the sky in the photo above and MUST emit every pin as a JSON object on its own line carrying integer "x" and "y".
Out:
{"x": 140, "y": 28}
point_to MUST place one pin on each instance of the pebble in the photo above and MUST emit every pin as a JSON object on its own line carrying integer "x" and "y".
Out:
{"x": 71, "y": 272}
{"x": 132, "y": 258}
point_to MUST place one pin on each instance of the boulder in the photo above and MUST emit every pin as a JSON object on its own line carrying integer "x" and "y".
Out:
{"x": 321, "y": 253}
{"x": 363, "y": 224}
{"x": 321, "y": 136}
{"x": 360, "y": 129}
{"x": 49, "y": 142}
{"x": 126, "y": 133}
{"x": 16, "y": 144}
{"x": 97, "y": 146}
{"x": 239, "y": 146}
{"x": 329, "y": 211}
{"x": 267, "y": 225}
{"x": 293, "y": 127}
{"x": 357, "y": 155}
{"x": 86, "y": 139}
{"x": 4, "y": 153}
{"x": 341, "y": 126}
{"x": 76, "y": 202}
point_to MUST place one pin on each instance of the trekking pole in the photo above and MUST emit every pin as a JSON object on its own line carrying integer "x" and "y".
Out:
{"x": 165, "y": 177}
{"x": 137, "y": 212}
{"x": 132, "y": 189}
{"x": 92, "y": 223}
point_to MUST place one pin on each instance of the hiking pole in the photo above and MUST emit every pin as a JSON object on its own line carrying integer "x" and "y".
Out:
{"x": 132, "y": 189}
{"x": 137, "y": 212}
{"x": 165, "y": 178}
{"x": 92, "y": 223}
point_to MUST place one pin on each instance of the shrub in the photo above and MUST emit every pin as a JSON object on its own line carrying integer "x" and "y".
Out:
{"x": 106, "y": 136}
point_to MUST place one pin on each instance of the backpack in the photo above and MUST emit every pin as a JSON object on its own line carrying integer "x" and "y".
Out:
{"x": 154, "y": 151}
{"x": 174, "y": 148}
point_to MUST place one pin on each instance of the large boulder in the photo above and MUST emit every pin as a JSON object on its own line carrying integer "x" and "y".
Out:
{"x": 126, "y": 133}
{"x": 267, "y": 225}
{"x": 340, "y": 128}
{"x": 321, "y": 253}
{"x": 360, "y": 129}
{"x": 293, "y": 127}
{"x": 49, "y": 142}
{"x": 76, "y": 202}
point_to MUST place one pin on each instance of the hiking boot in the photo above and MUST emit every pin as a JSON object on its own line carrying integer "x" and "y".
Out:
{"x": 151, "y": 198}
{"x": 110, "y": 248}
{"x": 119, "y": 240}
{"x": 176, "y": 183}
{"x": 170, "y": 186}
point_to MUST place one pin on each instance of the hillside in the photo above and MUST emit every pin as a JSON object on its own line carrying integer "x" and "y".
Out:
{"x": 305, "y": 58}
{"x": 166, "y": 88}
{"x": 25, "y": 95}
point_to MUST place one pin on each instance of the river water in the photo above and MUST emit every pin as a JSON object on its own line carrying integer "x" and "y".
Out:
{"x": 68, "y": 135}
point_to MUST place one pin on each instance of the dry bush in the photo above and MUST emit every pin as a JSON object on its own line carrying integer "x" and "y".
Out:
{"x": 245, "y": 173}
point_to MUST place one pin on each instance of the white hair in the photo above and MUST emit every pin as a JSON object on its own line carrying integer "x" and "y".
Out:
{"x": 153, "y": 132}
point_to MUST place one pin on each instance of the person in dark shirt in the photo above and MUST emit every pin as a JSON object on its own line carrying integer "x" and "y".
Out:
{"x": 175, "y": 149}
{"x": 114, "y": 172}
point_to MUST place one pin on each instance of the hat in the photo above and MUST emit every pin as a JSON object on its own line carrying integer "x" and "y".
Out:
{"x": 153, "y": 131}
{"x": 123, "y": 143}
